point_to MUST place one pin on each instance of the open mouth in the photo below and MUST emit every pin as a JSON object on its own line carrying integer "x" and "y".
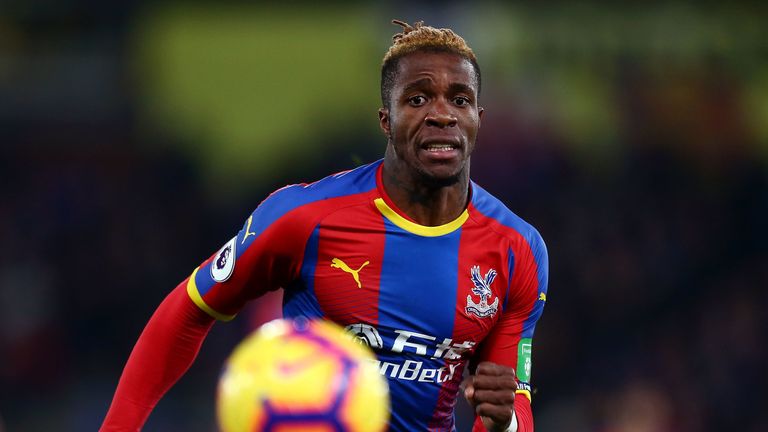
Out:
{"x": 440, "y": 151}
{"x": 439, "y": 147}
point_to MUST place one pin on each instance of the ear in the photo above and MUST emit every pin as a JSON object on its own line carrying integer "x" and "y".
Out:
{"x": 480, "y": 111}
{"x": 384, "y": 122}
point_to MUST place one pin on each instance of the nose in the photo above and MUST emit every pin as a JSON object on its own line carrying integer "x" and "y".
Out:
{"x": 440, "y": 118}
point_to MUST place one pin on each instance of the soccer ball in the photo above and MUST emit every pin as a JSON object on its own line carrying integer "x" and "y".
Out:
{"x": 301, "y": 375}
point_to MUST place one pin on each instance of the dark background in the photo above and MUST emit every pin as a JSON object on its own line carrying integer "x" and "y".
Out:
{"x": 136, "y": 137}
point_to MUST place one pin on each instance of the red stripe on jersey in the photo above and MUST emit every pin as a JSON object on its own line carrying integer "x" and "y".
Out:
{"x": 486, "y": 250}
{"x": 274, "y": 259}
{"x": 501, "y": 344}
{"x": 348, "y": 272}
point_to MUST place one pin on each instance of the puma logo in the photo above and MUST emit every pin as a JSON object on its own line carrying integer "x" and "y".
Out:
{"x": 339, "y": 264}
{"x": 248, "y": 229}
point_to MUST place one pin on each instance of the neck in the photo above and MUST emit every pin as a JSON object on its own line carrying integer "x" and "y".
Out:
{"x": 426, "y": 202}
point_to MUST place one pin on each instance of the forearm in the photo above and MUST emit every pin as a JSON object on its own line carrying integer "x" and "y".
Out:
{"x": 163, "y": 353}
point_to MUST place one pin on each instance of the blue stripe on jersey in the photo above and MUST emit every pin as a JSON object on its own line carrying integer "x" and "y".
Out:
{"x": 299, "y": 300}
{"x": 542, "y": 269}
{"x": 425, "y": 303}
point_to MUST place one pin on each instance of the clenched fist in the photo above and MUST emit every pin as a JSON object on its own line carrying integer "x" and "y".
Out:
{"x": 491, "y": 392}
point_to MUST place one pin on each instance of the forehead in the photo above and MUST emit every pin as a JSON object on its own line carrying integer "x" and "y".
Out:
{"x": 437, "y": 66}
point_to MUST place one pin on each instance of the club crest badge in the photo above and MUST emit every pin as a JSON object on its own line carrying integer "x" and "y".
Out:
{"x": 483, "y": 290}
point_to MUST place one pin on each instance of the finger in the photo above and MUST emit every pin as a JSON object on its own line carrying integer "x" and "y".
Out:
{"x": 500, "y": 414}
{"x": 506, "y": 382}
{"x": 495, "y": 397}
{"x": 469, "y": 395}
{"x": 469, "y": 389}
{"x": 493, "y": 369}
{"x": 467, "y": 381}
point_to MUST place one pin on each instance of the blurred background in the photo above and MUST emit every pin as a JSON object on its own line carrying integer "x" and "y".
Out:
{"x": 136, "y": 137}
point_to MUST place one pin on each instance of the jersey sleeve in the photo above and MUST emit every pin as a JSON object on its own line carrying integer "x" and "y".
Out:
{"x": 165, "y": 350}
{"x": 265, "y": 255}
{"x": 510, "y": 342}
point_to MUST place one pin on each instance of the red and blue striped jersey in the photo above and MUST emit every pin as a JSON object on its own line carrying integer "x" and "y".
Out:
{"x": 425, "y": 298}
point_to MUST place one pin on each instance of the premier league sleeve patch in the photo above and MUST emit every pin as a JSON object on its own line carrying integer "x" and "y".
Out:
{"x": 224, "y": 263}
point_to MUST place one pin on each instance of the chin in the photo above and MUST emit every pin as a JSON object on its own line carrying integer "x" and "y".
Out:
{"x": 440, "y": 179}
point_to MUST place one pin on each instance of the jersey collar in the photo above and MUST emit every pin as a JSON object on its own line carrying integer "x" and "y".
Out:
{"x": 390, "y": 211}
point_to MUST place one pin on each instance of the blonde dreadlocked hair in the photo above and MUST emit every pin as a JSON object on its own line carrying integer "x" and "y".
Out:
{"x": 418, "y": 37}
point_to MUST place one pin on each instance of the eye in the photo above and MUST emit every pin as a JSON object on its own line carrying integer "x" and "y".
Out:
{"x": 461, "y": 101}
{"x": 417, "y": 100}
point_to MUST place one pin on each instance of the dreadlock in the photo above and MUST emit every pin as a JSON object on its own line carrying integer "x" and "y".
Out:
{"x": 418, "y": 37}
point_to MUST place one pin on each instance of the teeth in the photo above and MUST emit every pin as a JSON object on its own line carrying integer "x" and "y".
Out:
{"x": 439, "y": 147}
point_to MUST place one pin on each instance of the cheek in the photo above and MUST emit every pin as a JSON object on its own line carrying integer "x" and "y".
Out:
{"x": 404, "y": 125}
{"x": 472, "y": 126}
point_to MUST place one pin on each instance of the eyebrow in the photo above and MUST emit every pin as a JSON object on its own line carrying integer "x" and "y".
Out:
{"x": 461, "y": 88}
{"x": 426, "y": 82}
{"x": 418, "y": 84}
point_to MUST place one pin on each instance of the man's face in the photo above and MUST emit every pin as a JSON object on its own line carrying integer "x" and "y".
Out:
{"x": 433, "y": 117}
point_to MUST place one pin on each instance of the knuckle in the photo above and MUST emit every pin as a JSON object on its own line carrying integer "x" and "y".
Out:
{"x": 509, "y": 382}
{"x": 482, "y": 367}
{"x": 483, "y": 395}
{"x": 495, "y": 397}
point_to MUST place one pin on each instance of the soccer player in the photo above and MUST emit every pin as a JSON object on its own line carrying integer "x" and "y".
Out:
{"x": 412, "y": 257}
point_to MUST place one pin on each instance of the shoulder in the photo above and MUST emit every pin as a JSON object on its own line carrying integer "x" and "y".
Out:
{"x": 319, "y": 197}
{"x": 489, "y": 210}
